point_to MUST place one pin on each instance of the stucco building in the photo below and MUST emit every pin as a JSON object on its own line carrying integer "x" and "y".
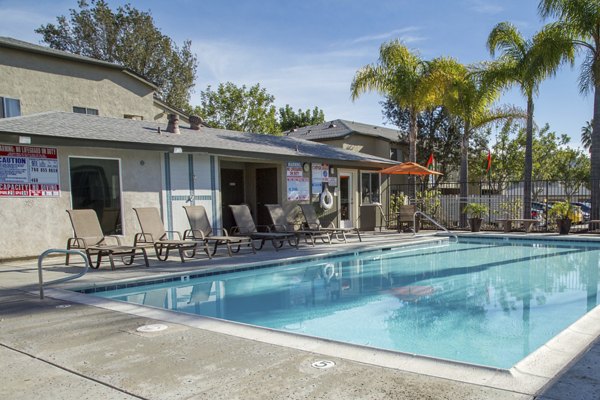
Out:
{"x": 53, "y": 157}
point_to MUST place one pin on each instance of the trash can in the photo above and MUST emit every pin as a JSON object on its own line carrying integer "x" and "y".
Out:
{"x": 370, "y": 217}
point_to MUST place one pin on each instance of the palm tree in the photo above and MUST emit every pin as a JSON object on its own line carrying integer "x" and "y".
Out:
{"x": 469, "y": 95}
{"x": 586, "y": 135}
{"x": 580, "y": 21}
{"x": 402, "y": 76}
{"x": 526, "y": 63}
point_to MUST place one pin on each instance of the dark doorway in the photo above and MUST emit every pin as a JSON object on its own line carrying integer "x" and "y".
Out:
{"x": 232, "y": 192}
{"x": 266, "y": 193}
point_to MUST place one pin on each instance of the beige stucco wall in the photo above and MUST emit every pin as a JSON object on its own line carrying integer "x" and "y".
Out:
{"x": 45, "y": 83}
{"x": 33, "y": 225}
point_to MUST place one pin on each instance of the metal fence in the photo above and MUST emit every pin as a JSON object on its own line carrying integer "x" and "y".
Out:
{"x": 444, "y": 204}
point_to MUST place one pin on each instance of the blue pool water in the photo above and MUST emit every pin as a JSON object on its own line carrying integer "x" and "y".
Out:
{"x": 481, "y": 301}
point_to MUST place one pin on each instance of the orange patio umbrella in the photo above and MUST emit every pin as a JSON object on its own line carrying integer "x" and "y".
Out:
{"x": 409, "y": 168}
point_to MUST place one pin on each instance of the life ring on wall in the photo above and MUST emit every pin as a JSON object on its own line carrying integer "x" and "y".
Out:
{"x": 326, "y": 199}
{"x": 328, "y": 271}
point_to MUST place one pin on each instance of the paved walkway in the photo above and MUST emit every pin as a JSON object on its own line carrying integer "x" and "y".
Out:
{"x": 63, "y": 350}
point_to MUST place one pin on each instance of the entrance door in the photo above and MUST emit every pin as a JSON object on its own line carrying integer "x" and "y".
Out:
{"x": 347, "y": 203}
{"x": 232, "y": 192}
{"x": 266, "y": 193}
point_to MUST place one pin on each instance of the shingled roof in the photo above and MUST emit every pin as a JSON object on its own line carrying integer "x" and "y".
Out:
{"x": 63, "y": 128}
{"x": 340, "y": 128}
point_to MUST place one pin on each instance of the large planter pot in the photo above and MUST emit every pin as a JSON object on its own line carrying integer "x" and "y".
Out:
{"x": 475, "y": 224}
{"x": 564, "y": 226}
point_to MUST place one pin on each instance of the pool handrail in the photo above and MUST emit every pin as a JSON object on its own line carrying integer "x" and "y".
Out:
{"x": 434, "y": 222}
{"x": 68, "y": 278}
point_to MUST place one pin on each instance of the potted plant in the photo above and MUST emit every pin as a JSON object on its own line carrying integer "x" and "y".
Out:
{"x": 562, "y": 212}
{"x": 476, "y": 212}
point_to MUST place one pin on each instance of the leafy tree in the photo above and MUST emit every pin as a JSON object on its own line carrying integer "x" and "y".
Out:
{"x": 127, "y": 37}
{"x": 579, "y": 20}
{"x": 469, "y": 95}
{"x": 586, "y": 135}
{"x": 437, "y": 131}
{"x": 289, "y": 119}
{"x": 526, "y": 63}
{"x": 403, "y": 77}
{"x": 239, "y": 108}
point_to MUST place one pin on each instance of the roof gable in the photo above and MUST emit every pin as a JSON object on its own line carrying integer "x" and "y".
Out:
{"x": 339, "y": 128}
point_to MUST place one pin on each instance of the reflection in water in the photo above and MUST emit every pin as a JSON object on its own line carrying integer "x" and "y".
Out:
{"x": 476, "y": 301}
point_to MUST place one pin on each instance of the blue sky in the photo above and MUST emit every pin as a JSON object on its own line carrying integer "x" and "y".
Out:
{"x": 306, "y": 52}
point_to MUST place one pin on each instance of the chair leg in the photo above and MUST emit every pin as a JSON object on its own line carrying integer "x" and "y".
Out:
{"x": 358, "y": 233}
{"x": 112, "y": 261}
{"x": 158, "y": 249}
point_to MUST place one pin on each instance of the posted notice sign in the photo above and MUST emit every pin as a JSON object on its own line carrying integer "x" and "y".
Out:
{"x": 27, "y": 171}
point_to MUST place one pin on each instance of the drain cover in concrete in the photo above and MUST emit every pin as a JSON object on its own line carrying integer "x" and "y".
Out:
{"x": 152, "y": 328}
{"x": 63, "y": 306}
{"x": 323, "y": 364}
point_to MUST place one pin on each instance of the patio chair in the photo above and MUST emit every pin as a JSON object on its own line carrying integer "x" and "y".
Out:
{"x": 90, "y": 238}
{"x": 154, "y": 234}
{"x": 406, "y": 215}
{"x": 203, "y": 232}
{"x": 281, "y": 224}
{"x": 245, "y": 226}
{"x": 312, "y": 222}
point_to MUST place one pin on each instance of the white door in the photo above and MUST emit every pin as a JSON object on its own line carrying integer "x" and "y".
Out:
{"x": 347, "y": 202}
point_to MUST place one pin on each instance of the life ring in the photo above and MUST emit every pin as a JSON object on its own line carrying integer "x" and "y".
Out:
{"x": 328, "y": 271}
{"x": 326, "y": 199}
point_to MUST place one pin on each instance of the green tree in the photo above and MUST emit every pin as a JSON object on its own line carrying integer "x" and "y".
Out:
{"x": 526, "y": 63}
{"x": 127, "y": 37}
{"x": 239, "y": 108}
{"x": 586, "y": 135}
{"x": 579, "y": 20}
{"x": 469, "y": 95}
{"x": 289, "y": 119}
{"x": 403, "y": 77}
{"x": 438, "y": 132}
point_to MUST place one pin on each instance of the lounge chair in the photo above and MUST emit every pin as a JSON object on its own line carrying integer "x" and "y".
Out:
{"x": 153, "y": 233}
{"x": 281, "y": 224}
{"x": 90, "y": 238}
{"x": 245, "y": 226}
{"x": 312, "y": 222}
{"x": 202, "y": 231}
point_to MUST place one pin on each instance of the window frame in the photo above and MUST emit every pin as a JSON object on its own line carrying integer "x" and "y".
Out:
{"x": 121, "y": 197}
{"x": 87, "y": 110}
{"x": 4, "y": 107}
{"x": 362, "y": 197}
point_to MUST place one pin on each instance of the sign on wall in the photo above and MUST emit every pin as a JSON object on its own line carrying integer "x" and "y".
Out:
{"x": 320, "y": 175}
{"x": 27, "y": 171}
{"x": 297, "y": 185}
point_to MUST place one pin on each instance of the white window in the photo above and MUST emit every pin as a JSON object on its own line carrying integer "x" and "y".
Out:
{"x": 9, "y": 107}
{"x": 370, "y": 183}
{"x": 96, "y": 184}
{"x": 85, "y": 110}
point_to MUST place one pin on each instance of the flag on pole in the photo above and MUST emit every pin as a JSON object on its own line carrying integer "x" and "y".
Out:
{"x": 489, "y": 161}
{"x": 430, "y": 161}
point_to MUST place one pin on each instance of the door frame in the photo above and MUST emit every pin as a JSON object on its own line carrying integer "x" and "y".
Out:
{"x": 353, "y": 196}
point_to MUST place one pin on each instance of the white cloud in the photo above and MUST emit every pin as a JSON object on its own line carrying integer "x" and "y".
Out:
{"x": 400, "y": 33}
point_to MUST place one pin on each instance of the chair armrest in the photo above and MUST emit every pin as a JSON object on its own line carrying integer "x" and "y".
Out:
{"x": 142, "y": 238}
{"x": 194, "y": 234}
{"x": 79, "y": 243}
{"x": 265, "y": 227}
{"x": 235, "y": 230}
{"x": 175, "y": 233}
{"x": 223, "y": 230}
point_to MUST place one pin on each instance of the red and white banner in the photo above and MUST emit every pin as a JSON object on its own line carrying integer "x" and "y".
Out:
{"x": 27, "y": 171}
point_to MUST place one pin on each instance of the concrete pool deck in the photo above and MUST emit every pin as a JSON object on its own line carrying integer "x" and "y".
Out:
{"x": 71, "y": 346}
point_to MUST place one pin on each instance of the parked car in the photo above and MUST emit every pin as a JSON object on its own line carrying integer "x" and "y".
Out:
{"x": 586, "y": 209}
{"x": 538, "y": 210}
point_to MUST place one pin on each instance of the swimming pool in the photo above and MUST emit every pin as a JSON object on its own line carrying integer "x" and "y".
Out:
{"x": 479, "y": 301}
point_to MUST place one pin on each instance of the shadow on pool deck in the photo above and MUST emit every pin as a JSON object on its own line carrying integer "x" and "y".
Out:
{"x": 56, "y": 349}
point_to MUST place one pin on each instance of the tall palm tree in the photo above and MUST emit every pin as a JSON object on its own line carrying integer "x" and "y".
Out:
{"x": 526, "y": 63}
{"x": 469, "y": 94}
{"x": 586, "y": 135}
{"x": 402, "y": 76}
{"x": 580, "y": 21}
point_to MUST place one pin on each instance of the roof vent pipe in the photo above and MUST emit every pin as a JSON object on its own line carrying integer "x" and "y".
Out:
{"x": 195, "y": 122}
{"x": 332, "y": 125}
{"x": 173, "y": 125}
